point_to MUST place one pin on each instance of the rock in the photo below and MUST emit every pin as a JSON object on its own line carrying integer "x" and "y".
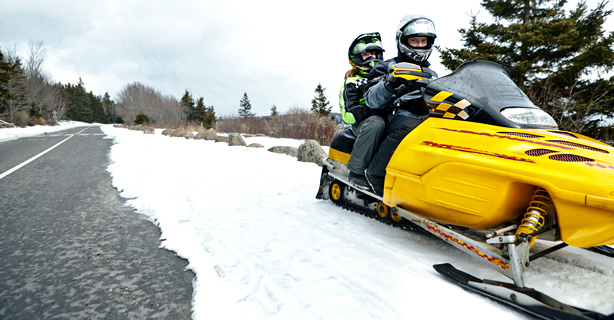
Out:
{"x": 221, "y": 139}
{"x": 291, "y": 151}
{"x": 235, "y": 139}
{"x": 255, "y": 145}
{"x": 148, "y": 130}
{"x": 206, "y": 134}
{"x": 178, "y": 132}
{"x": 167, "y": 132}
{"x": 311, "y": 151}
{"x": 187, "y": 135}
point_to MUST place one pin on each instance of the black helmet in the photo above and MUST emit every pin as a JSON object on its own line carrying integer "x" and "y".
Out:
{"x": 363, "y": 43}
{"x": 415, "y": 26}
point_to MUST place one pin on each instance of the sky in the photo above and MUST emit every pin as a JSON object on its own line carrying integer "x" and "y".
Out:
{"x": 275, "y": 51}
{"x": 262, "y": 246}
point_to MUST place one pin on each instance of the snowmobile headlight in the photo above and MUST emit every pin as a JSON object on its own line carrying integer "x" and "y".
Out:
{"x": 531, "y": 116}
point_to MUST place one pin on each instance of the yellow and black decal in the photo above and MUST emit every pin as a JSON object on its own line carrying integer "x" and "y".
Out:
{"x": 446, "y": 105}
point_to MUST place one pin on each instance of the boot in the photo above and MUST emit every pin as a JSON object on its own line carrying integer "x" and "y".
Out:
{"x": 359, "y": 181}
{"x": 378, "y": 188}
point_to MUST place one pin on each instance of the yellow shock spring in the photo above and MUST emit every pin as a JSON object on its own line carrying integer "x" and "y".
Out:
{"x": 535, "y": 216}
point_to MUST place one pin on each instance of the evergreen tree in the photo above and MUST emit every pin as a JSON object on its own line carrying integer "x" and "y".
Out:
{"x": 79, "y": 107}
{"x": 320, "y": 104}
{"x": 5, "y": 68}
{"x": 274, "y": 112}
{"x": 187, "y": 103}
{"x": 202, "y": 114}
{"x": 209, "y": 119}
{"x": 110, "y": 108}
{"x": 549, "y": 53}
{"x": 198, "y": 113}
{"x": 94, "y": 103}
{"x": 14, "y": 98}
{"x": 245, "y": 107}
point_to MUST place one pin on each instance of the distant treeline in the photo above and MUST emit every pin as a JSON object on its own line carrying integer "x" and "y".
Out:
{"x": 28, "y": 96}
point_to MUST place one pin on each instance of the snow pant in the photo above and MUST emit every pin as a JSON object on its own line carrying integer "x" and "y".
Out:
{"x": 398, "y": 128}
{"x": 369, "y": 134}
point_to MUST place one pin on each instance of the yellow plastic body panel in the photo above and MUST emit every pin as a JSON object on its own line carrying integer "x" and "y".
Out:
{"x": 479, "y": 176}
{"x": 337, "y": 155}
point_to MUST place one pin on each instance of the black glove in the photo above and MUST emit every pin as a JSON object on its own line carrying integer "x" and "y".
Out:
{"x": 391, "y": 82}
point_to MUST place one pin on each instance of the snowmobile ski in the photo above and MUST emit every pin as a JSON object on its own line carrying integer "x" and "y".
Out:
{"x": 604, "y": 250}
{"x": 528, "y": 300}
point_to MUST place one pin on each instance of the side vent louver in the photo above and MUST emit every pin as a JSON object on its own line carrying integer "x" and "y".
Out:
{"x": 538, "y": 152}
{"x": 569, "y": 158}
{"x": 521, "y": 134}
{"x": 577, "y": 145}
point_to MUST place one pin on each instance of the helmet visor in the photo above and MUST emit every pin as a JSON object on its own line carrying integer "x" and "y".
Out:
{"x": 419, "y": 27}
{"x": 368, "y": 44}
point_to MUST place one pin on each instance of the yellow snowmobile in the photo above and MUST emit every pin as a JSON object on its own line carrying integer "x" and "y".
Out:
{"x": 489, "y": 173}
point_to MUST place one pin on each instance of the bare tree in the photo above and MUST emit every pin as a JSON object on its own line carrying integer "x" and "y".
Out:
{"x": 136, "y": 98}
{"x": 41, "y": 94}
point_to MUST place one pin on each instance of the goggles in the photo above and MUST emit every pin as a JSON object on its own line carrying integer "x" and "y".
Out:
{"x": 367, "y": 44}
{"x": 419, "y": 27}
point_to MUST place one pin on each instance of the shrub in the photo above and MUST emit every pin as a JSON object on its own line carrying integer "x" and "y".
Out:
{"x": 36, "y": 121}
{"x": 303, "y": 124}
{"x": 141, "y": 118}
{"x": 251, "y": 125}
{"x": 21, "y": 119}
{"x": 297, "y": 123}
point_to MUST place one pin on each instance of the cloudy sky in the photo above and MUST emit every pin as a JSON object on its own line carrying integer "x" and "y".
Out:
{"x": 276, "y": 51}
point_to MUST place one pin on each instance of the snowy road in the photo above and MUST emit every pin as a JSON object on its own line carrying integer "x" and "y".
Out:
{"x": 263, "y": 247}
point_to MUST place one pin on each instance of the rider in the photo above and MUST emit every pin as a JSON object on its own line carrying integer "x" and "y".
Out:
{"x": 368, "y": 125}
{"x": 415, "y": 37}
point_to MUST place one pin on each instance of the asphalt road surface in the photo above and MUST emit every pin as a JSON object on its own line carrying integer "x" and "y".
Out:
{"x": 69, "y": 246}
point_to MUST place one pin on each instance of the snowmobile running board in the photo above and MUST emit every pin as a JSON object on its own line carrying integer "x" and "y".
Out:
{"x": 511, "y": 265}
{"x": 345, "y": 181}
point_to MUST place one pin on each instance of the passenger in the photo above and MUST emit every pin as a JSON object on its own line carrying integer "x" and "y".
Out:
{"x": 415, "y": 37}
{"x": 368, "y": 125}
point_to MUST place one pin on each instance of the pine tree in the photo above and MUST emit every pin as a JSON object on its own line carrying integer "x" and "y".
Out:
{"x": 209, "y": 119}
{"x": 5, "y": 68}
{"x": 549, "y": 53}
{"x": 274, "y": 112}
{"x": 245, "y": 107}
{"x": 197, "y": 113}
{"x": 15, "y": 98}
{"x": 110, "y": 109}
{"x": 320, "y": 104}
{"x": 187, "y": 103}
{"x": 94, "y": 103}
{"x": 79, "y": 107}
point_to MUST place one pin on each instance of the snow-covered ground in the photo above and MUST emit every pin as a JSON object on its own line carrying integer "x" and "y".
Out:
{"x": 263, "y": 247}
{"x": 7, "y": 134}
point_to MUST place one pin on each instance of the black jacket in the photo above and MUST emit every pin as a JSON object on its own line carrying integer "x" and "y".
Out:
{"x": 351, "y": 99}
{"x": 405, "y": 98}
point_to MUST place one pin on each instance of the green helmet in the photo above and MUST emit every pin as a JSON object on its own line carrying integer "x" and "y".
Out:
{"x": 366, "y": 42}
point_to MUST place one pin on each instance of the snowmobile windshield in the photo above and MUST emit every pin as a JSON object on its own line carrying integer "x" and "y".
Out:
{"x": 489, "y": 88}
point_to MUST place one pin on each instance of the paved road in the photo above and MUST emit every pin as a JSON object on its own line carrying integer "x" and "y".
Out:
{"x": 69, "y": 247}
